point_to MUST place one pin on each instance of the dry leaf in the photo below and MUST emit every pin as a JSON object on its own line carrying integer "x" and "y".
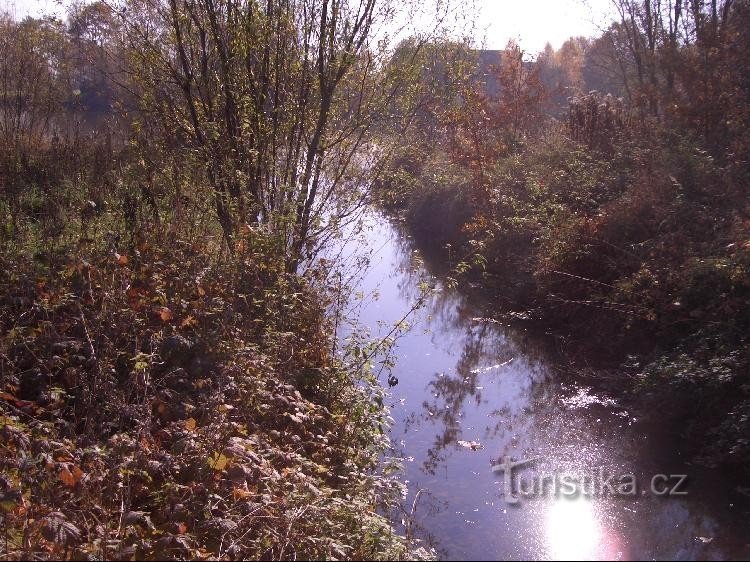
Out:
{"x": 67, "y": 478}
{"x": 190, "y": 424}
{"x": 121, "y": 259}
{"x": 10, "y": 500}
{"x": 165, "y": 314}
{"x": 241, "y": 494}
{"x": 218, "y": 462}
{"x": 77, "y": 473}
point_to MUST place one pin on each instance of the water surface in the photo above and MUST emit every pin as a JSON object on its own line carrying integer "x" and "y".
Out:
{"x": 474, "y": 390}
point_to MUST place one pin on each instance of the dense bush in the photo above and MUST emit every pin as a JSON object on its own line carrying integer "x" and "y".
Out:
{"x": 162, "y": 399}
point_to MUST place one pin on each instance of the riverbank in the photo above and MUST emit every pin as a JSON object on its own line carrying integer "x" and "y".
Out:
{"x": 161, "y": 398}
{"x": 636, "y": 259}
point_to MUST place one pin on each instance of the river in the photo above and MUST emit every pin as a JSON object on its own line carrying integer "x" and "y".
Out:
{"x": 475, "y": 391}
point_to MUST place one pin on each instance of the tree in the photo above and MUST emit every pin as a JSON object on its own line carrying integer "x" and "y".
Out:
{"x": 680, "y": 57}
{"x": 522, "y": 94}
{"x": 33, "y": 85}
{"x": 93, "y": 30}
{"x": 275, "y": 98}
{"x": 607, "y": 65}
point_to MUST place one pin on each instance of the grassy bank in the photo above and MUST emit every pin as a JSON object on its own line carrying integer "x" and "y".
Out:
{"x": 168, "y": 174}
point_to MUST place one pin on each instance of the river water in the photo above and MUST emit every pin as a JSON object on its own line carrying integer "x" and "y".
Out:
{"x": 475, "y": 391}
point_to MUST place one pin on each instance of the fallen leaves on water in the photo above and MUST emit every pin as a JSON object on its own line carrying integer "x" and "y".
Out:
{"x": 473, "y": 445}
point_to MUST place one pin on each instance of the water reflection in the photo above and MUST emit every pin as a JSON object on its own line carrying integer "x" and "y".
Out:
{"x": 572, "y": 529}
{"x": 473, "y": 391}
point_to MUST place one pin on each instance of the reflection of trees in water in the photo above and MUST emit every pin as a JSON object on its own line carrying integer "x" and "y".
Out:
{"x": 451, "y": 392}
{"x": 540, "y": 424}
{"x": 450, "y": 315}
{"x": 539, "y": 421}
{"x": 449, "y": 311}
{"x": 484, "y": 347}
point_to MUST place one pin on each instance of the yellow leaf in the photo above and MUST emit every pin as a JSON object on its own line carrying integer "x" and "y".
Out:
{"x": 190, "y": 424}
{"x": 218, "y": 461}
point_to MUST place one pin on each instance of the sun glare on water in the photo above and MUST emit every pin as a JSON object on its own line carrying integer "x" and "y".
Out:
{"x": 572, "y": 530}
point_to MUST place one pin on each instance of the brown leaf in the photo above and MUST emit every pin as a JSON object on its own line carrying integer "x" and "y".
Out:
{"x": 121, "y": 259}
{"x": 71, "y": 477}
{"x": 165, "y": 314}
{"x": 77, "y": 473}
{"x": 135, "y": 297}
{"x": 190, "y": 424}
{"x": 241, "y": 494}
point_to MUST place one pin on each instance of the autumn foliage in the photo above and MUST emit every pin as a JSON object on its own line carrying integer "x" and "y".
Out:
{"x": 167, "y": 383}
{"x": 604, "y": 191}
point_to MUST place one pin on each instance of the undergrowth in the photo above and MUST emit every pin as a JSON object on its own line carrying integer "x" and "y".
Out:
{"x": 161, "y": 397}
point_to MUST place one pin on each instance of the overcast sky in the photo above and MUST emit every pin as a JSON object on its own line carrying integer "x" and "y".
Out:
{"x": 530, "y": 22}
{"x": 23, "y": 8}
{"x": 534, "y": 22}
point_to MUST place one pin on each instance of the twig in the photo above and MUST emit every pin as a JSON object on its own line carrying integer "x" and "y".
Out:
{"x": 86, "y": 331}
{"x": 606, "y": 305}
{"x": 584, "y": 279}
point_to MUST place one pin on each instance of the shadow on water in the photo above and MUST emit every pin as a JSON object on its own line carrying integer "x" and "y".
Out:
{"x": 474, "y": 392}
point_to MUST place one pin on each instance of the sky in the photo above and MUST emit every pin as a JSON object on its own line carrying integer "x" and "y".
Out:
{"x": 22, "y": 8}
{"x": 530, "y": 22}
{"x": 534, "y": 22}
